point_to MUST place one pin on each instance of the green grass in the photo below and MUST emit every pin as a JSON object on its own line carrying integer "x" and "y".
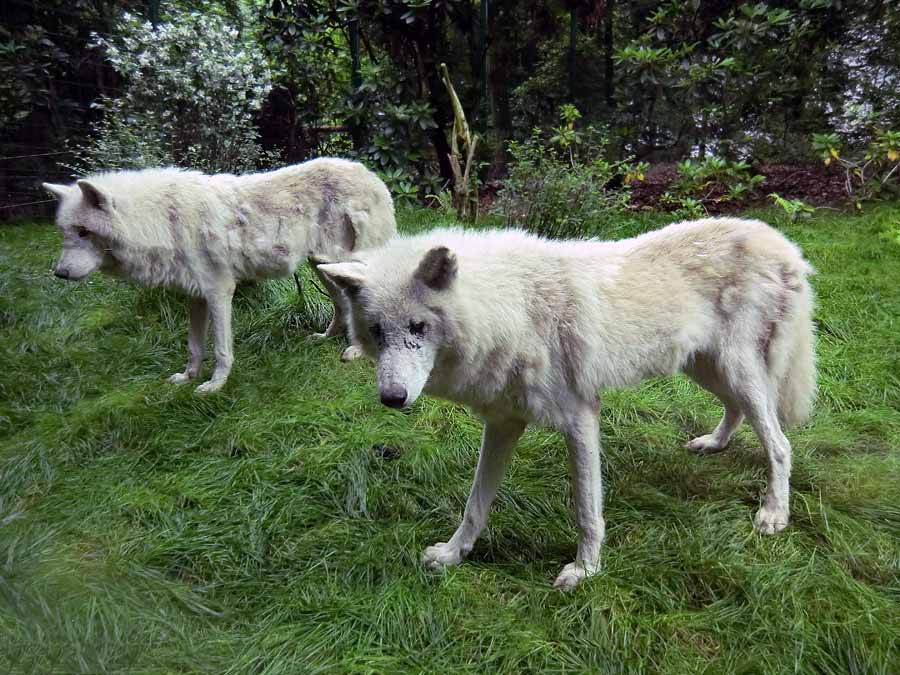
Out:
{"x": 145, "y": 529}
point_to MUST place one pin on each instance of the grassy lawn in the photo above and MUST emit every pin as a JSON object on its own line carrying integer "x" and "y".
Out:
{"x": 145, "y": 529}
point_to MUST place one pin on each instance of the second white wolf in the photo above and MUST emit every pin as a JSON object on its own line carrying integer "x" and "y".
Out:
{"x": 203, "y": 234}
{"x": 528, "y": 330}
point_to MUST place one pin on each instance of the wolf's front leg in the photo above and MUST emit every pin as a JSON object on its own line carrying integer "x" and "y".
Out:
{"x": 583, "y": 439}
{"x": 220, "y": 309}
{"x": 497, "y": 443}
{"x": 338, "y": 324}
{"x": 196, "y": 342}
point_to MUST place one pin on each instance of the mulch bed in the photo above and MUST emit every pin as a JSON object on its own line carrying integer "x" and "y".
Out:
{"x": 816, "y": 184}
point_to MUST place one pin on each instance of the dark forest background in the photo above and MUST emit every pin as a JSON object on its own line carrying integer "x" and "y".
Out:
{"x": 245, "y": 85}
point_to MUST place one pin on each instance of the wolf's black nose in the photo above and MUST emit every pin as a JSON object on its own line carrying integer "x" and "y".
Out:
{"x": 61, "y": 272}
{"x": 394, "y": 396}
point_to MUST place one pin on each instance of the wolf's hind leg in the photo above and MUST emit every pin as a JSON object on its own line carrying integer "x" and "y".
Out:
{"x": 705, "y": 372}
{"x": 196, "y": 342}
{"x": 220, "y": 310}
{"x": 351, "y": 352}
{"x": 497, "y": 443}
{"x": 338, "y": 323}
{"x": 718, "y": 440}
{"x": 583, "y": 439}
{"x": 756, "y": 395}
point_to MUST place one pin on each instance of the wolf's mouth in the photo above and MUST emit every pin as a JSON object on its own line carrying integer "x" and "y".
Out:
{"x": 68, "y": 276}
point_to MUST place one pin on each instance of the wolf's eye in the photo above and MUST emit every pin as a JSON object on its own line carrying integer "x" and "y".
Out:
{"x": 375, "y": 331}
{"x": 82, "y": 232}
{"x": 418, "y": 328}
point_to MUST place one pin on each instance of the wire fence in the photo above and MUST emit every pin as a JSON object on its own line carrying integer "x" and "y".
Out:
{"x": 16, "y": 206}
{"x": 34, "y": 150}
{"x": 20, "y": 185}
{"x": 29, "y": 4}
{"x": 29, "y": 145}
{"x": 38, "y": 154}
{"x": 65, "y": 106}
{"x": 26, "y": 176}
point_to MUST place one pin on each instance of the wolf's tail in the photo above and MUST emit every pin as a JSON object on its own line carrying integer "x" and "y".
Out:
{"x": 794, "y": 371}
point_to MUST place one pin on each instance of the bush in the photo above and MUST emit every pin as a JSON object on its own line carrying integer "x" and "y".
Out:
{"x": 715, "y": 178}
{"x": 393, "y": 124}
{"x": 870, "y": 173}
{"x": 562, "y": 187}
{"x": 709, "y": 180}
{"x": 191, "y": 89}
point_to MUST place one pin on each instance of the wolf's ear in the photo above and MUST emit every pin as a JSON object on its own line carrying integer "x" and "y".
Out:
{"x": 58, "y": 191}
{"x": 348, "y": 276}
{"x": 96, "y": 196}
{"x": 438, "y": 268}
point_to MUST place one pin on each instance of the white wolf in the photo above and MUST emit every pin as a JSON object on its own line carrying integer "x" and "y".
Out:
{"x": 203, "y": 234}
{"x": 528, "y": 330}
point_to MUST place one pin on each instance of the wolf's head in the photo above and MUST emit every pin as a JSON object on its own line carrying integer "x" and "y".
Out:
{"x": 84, "y": 217}
{"x": 398, "y": 315}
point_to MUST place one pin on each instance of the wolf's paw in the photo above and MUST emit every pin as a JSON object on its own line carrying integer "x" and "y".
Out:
{"x": 319, "y": 336}
{"x": 572, "y": 575}
{"x": 770, "y": 520}
{"x": 706, "y": 445}
{"x": 209, "y": 387}
{"x": 179, "y": 378}
{"x": 351, "y": 352}
{"x": 441, "y": 555}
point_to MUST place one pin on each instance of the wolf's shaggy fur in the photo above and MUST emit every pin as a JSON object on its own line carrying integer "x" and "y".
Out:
{"x": 528, "y": 330}
{"x": 203, "y": 234}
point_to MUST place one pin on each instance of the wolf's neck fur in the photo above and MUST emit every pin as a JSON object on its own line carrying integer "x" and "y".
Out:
{"x": 150, "y": 266}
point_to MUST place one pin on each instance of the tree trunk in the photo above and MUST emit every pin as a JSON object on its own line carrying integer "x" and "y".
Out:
{"x": 357, "y": 135}
{"x": 501, "y": 115}
{"x": 429, "y": 48}
{"x": 573, "y": 39}
{"x": 438, "y": 136}
{"x": 609, "y": 73}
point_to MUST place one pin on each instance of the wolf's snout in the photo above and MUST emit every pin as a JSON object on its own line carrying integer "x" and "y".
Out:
{"x": 61, "y": 272}
{"x": 394, "y": 396}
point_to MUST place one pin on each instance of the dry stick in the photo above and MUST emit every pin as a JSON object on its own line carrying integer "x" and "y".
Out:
{"x": 461, "y": 131}
{"x": 299, "y": 284}
{"x": 473, "y": 205}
